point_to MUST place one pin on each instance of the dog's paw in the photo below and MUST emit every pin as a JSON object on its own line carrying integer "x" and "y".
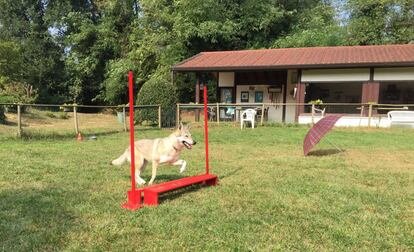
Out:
{"x": 140, "y": 181}
{"x": 183, "y": 167}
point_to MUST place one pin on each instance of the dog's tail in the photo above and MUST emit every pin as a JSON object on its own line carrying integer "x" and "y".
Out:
{"x": 121, "y": 160}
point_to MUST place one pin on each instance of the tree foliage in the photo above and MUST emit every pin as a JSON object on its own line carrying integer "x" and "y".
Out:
{"x": 380, "y": 21}
{"x": 81, "y": 51}
{"x": 316, "y": 26}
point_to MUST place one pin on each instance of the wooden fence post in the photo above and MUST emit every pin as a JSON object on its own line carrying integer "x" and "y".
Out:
{"x": 177, "y": 120}
{"x": 75, "y": 116}
{"x": 369, "y": 115}
{"x": 19, "y": 121}
{"x": 218, "y": 113}
{"x": 261, "y": 118}
{"x": 159, "y": 116}
{"x": 124, "y": 115}
{"x": 313, "y": 113}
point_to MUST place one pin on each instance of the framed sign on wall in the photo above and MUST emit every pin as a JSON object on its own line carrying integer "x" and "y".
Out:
{"x": 258, "y": 96}
{"x": 244, "y": 97}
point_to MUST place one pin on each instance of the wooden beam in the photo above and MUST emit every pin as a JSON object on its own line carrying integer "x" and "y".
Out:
{"x": 197, "y": 90}
{"x": 300, "y": 96}
{"x": 284, "y": 94}
{"x": 197, "y": 98}
{"x": 370, "y": 93}
{"x": 75, "y": 117}
{"x": 19, "y": 121}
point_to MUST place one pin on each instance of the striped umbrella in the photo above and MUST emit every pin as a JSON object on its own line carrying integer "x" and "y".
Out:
{"x": 318, "y": 131}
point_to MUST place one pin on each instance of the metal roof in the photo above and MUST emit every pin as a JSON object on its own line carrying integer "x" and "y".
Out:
{"x": 309, "y": 57}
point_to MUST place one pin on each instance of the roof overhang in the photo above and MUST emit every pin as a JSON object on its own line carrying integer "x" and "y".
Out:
{"x": 300, "y": 58}
{"x": 285, "y": 67}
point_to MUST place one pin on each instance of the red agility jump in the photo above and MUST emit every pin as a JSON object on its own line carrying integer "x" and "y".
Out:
{"x": 152, "y": 192}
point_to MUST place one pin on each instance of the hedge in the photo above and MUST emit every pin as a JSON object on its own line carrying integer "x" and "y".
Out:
{"x": 157, "y": 91}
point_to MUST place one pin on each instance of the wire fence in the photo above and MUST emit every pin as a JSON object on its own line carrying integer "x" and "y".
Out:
{"x": 51, "y": 119}
{"x": 353, "y": 114}
{"x": 45, "y": 119}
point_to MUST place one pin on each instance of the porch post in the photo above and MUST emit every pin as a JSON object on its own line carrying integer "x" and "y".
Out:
{"x": 285, "y": 86}
{"x": 300, "y": 99}
{"x": 218, "y": 97}
{"x": 370, "y": 94}
{"x": 197, "y": 98}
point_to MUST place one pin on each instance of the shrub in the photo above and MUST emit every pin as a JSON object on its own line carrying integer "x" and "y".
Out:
{"x": 157, "y": 90}
{"x": 63, "y": 115}
{"x": 59, "y": 115}
{"x": 50, "y": 114}
{"x": 2, "y": 115}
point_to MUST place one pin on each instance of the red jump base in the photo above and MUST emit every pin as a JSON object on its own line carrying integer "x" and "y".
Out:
{"x": 134, "y": 200}
{"x": 151, "y": 193}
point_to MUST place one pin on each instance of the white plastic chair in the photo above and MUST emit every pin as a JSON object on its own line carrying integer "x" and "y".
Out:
{"x": 247, "y": 116}
{"x": 321, "y": 111}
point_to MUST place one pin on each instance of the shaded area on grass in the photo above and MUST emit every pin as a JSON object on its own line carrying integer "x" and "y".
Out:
{"x": 325, "y": 152}
{"x": 34, "y": 219}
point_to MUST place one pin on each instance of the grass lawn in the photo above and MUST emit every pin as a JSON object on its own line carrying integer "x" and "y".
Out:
{"x": 59, "y": 194}
{"x": 41, "y": 123}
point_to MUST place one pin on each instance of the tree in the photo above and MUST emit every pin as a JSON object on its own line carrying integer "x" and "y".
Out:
{"x": 95, "y": 45}
{"x": 169, "y": 31}
{"x": 12, "y": 85}
{"x": 316, "y": 26}
{"x": 26, "y": 24}
{"x": 81, "y": 51}
{"x": 11, "y": 60}
{"x": 380, "y": 21}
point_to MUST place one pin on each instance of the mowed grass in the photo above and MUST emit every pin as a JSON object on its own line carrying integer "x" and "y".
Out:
{"x": 64, "y": 195}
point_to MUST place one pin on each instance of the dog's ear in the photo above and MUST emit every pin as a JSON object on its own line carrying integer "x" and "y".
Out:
{"x": 180, "y": 126}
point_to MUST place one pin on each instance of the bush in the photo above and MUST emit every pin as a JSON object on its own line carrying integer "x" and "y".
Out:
{"x": 60, "y": 115}
{"x": 2, "y": 115}
{"x": 157, "y": 91}
{"x": 63, "y": 115}
{"x": 50, "y": 114}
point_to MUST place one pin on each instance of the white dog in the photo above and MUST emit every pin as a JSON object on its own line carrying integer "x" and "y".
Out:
{"x": 158, "y": 151}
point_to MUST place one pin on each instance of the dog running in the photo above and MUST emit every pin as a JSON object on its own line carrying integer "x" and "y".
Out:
{"x": 159, "y": 151}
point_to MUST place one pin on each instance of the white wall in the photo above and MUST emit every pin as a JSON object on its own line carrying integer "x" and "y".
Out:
{"x": 321, "y": 75}
{"x": 350, "y": 121}
{"x": 226, "y": 79}
{"x": 396, "y": 73}
{"x": 245, "y": 88}
{"x": 275, "y": 112}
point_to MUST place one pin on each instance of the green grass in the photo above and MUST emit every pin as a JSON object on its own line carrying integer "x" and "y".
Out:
{"x": 59, "y": 194}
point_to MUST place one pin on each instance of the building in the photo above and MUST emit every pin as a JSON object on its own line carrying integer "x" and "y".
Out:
{"x": 343, "y": 75}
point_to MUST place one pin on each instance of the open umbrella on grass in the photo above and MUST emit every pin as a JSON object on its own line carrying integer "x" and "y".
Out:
{"x": 318, "y": 131}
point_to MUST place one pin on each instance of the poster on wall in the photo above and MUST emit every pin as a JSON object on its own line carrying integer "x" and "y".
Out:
{"x": 226, "y": 95}
{"x": 258, "y": 96}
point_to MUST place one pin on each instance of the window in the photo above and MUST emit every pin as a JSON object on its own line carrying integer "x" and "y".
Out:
{"x": 397, "y": 93}
{"x": 258, "y": 96}
{"x": 335, "y": 93}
